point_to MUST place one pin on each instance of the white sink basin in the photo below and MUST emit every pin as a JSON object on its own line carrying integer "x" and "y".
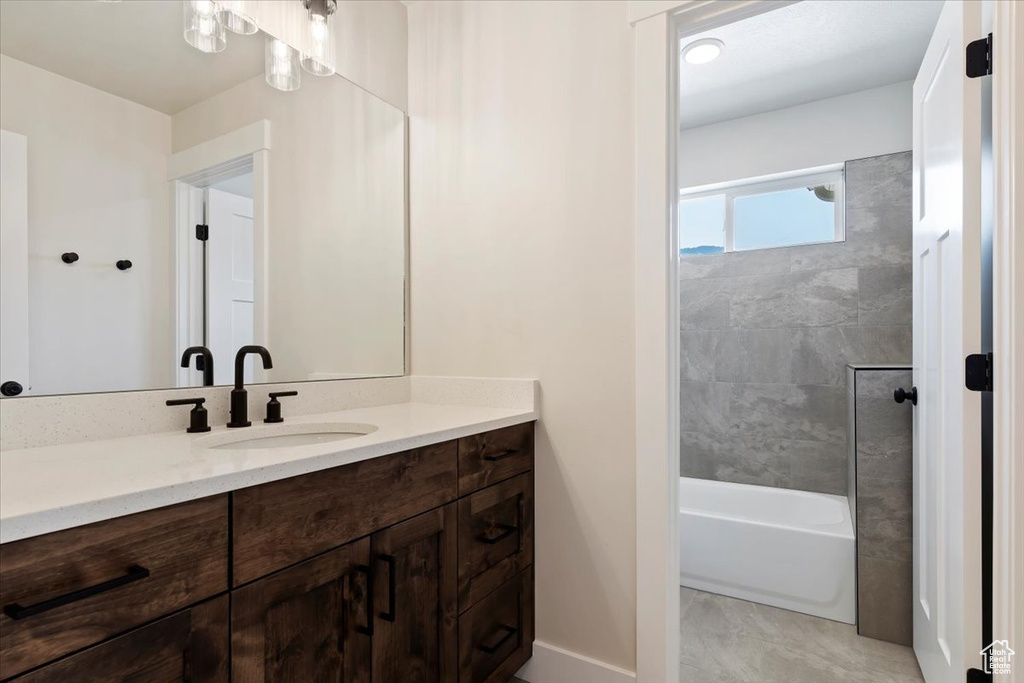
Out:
{"x": 283, "y": 436}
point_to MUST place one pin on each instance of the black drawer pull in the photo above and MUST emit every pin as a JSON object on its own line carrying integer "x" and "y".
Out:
{"x": 135, "y": 573}
{"x": 495, "y": 457}
{"x": 506, "y": 531}
{"x": 390, "y": 561}
{"x": 509, "y": 632}
{"x": 368, "y": 629}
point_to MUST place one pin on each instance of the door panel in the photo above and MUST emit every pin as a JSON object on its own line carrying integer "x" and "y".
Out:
{"x": 14, "y": 342}
{"x": 415, "y": 627}
{"x": 230, "y": 288}
{"x": 947, "y": 324}
{"x": 306, "y": 623}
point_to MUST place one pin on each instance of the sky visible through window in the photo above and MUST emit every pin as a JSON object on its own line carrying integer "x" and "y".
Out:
{"x": 760, "y": 221}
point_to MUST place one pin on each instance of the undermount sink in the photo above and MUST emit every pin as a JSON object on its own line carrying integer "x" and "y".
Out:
{"x": 283, "y": 436}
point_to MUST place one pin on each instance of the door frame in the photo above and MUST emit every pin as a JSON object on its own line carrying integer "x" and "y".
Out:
{"x": 1008, "y": 326}
{"x": 657, "y": 25}
{"x": 245, "y": 148}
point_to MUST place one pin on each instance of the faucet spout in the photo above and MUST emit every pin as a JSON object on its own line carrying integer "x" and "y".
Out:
{"x": 239, "y": 396}
{"x": 204, "y": 362}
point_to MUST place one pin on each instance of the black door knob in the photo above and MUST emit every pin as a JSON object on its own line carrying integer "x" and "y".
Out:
{"x": 11, "y": 388}
{"x": 901, "y": 395}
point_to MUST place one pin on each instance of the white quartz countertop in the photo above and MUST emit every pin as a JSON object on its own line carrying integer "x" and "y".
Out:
{"x": 51, "y": 488}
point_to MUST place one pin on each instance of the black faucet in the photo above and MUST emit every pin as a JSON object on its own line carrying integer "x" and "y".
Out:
{"x": 239, "y": 396}
{"x": 204, "y": 362}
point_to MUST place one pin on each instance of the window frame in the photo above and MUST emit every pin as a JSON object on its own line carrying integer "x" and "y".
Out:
{"x": 779, "y": 182}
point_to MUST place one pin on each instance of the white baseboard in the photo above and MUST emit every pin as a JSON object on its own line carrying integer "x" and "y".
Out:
{"x": 552, "y": 664}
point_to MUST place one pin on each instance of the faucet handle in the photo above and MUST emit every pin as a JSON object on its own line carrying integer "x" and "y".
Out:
{"x": 274, "y": 406}
{"x": 197, "y": 416}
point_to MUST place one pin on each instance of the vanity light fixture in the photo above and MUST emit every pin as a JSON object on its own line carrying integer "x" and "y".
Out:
{"x": 281, "y": 65}
{"x": 318, "y": 56}
{"x": 239, "y": 16}
{"x": 203, "y": 28}
{"x": 703, "y": 51}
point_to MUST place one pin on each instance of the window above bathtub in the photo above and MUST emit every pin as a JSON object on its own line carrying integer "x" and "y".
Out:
{"x": 801, "y": 207}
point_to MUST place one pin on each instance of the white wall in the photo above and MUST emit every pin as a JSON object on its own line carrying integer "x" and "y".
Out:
{"x": 336, "y": 222}
{"x": 862, "y": 124}
{"x": 96, "y": 185}
{"x": 522, "y": 266}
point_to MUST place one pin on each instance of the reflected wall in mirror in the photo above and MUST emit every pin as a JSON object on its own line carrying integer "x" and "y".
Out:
{"x": 120, "y": 141}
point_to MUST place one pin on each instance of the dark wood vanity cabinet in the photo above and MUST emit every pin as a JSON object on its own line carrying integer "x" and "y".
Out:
{"x": 416, "y": 566}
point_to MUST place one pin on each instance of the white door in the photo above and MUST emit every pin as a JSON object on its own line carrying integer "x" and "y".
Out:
{"x": 14, "y": 346}
{"x": 947, "y": 327}
{"x": 229, "y": 291}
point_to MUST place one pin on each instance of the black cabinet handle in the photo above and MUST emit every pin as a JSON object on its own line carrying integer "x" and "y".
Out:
{"x": 368, "y": 629}
{"x": 901, "y": 395}
{"x": 508, "y": 633}
{"x": 135, "y": 573}
{"x": 389, "y": 560}
{"x": 506, "y": 531}
{"x": 501, "y": 456}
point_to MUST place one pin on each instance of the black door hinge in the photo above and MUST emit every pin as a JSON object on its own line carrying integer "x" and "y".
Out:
{"x": 978, "y": 676}
{"x": 978, "y": 372}
{"x": 202, "y": 232}
{"x": 979, "y": 57}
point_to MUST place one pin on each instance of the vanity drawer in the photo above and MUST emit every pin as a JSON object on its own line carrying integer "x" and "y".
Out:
{"x": 495, "y": 537}
{"x": 496, "y": 635}
{"x": 69, "y": 589}
{"x": 287, "y": 521}
{"x": 491, "y": 457}
{"x": 187, "y": 647}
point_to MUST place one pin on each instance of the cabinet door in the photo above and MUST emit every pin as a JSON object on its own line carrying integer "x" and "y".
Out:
{"x": 306, "y": 623}
{"x": 188, "y": 646}
{"x": 415, "y": 577}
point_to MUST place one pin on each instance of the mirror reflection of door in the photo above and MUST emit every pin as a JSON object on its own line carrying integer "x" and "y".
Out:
{"x": 229, "y": 275}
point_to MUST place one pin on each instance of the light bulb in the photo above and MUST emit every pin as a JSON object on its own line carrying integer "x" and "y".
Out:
{"x": 318, "y": 51}
{"x": 203, "y": 29}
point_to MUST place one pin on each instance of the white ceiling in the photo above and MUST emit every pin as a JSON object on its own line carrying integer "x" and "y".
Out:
{"x": 804, "y": 52}
{"x": 131, "y": 49}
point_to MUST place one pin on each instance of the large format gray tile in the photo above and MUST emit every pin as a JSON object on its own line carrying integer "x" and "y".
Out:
{"x": 703, "y": 304}
{"x": 822, "y": 469}
{"x": 885, "y": 518}
{"x": 885, "y": 446}
{"x": 783, "y": 411}
{"x": 885, "y": 608}
{"x": 727, "y": 458}
{"x": 697, "y": 355}
{"x": 884, "y": 179}
{"x": 764, "y": 356}
{"x": 820, "y": 354}
{"x": 885, "y": 295}
{"x": 827, "y": 297}
{"x": 761, "y": 261}
{"x": 733, "y": 640}
{"x": 882, "y": 383}
{"x": 704, "y": 407}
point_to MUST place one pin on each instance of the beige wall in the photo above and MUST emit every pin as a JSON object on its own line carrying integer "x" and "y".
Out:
{"x": 97, "y": 185}
{"x": 521, "y": 133}
{"x": 336, "y": 222}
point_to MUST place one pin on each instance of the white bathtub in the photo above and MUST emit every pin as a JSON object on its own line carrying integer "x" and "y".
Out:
{"x": 790, "y": 549}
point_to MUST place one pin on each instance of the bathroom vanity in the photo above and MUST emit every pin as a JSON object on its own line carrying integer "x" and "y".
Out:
{"x": 410, "y": 565}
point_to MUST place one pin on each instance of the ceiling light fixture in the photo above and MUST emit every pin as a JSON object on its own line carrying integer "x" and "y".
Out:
{"x": 703, "y": 51}
{"x": 318, "y": 48}
{"x": 239, "y": 16}
{"x": 281, "y": 66}
{"x": 203, "y": 28}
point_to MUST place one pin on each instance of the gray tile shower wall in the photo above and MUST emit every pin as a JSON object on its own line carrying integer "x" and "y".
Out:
{"x": 884, "y": 454}
{"x": 765, "y": 337}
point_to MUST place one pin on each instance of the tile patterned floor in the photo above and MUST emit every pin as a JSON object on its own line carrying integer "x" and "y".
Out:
{"x": 725, "y": 640}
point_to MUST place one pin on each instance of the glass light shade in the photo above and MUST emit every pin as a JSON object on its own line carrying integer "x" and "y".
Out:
{"x": 239, "y": 16}
{"x": 203, "y": 29}
{"x": 281, "y": 65}
{"x": 318, "y": 45}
